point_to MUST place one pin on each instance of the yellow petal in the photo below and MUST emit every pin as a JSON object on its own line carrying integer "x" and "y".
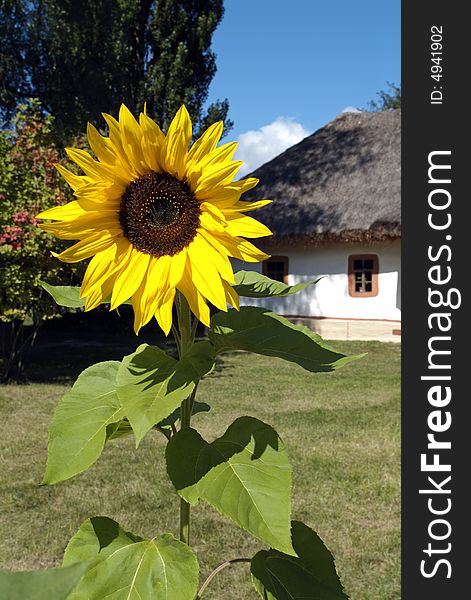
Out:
{"x": 205, "y": 276}
{"x": 227, "y": 196}
{"x": 152, "y": 142}
{"x": 73, "y": 231}
{"x": 214, "y": 210}
{"x": 239, "y": 248}
{"x": 100, "y": 191}
{"x": 94, "y": 169}
{"x": 151, "y": 130}
{"x": 67, "y": 212}
{"x": 99, "y": 269}
{"x": 244, "y": 226}
{"x": 209, "y": 222}
{"x": 198, "y": 304}
{"x": 131, "y": 135}
{"x": 242, "y": 207}
{"x": 94, "y": 299}
{"x": 129, "y": 278}
{"x": 98, "y": 145}
{"x": 75, "y": 181}
{"x": 116, "y": 142}
{"x": 216, "y": 176}
{"x": 177, "y": 267}
{"x": 206, "y": 143}
{"x": 222, "y": 154}
{"x": 164, "y": 313}
{"x": 231, "y": 295}
{"x": 176, "y": 143}
{"x": 218, "y": 259}
{"x": 86, "y": 248}
{"x": 152, "y": 289}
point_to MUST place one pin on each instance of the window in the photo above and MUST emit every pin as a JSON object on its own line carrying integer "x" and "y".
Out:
{"x": 276, "y": 267}
{"x": 363, "y": 275}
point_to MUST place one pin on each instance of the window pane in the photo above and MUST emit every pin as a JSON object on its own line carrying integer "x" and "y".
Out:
{"x": 357, "y": 264}
{"x": 368, "y": 286}
{"x": 369, "y": 264}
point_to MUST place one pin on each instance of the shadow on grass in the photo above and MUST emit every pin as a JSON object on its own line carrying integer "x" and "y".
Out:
{"x": 60, "y": 354}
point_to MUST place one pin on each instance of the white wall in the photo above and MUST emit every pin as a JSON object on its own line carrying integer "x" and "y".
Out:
{"x": 329, "y": 297}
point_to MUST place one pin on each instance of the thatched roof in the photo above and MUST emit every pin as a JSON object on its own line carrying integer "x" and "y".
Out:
{"x": 340, "y": 183}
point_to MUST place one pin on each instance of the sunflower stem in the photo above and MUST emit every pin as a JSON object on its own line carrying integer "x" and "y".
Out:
{"x": 222, "y": 566}
{"x": 187, "y": 338}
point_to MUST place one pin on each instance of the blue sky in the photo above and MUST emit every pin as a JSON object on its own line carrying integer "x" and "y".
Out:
{"x": 298, "y": 63}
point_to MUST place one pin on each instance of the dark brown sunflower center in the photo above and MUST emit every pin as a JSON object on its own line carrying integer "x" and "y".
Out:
{"x": 159, "y": 214}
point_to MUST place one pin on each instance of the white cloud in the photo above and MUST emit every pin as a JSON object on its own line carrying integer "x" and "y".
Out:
{"x": 351, "y": 109}
{"x": 256, "y": 147}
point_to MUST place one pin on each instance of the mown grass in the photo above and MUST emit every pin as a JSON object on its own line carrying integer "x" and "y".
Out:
{"x": 341, "y": 430}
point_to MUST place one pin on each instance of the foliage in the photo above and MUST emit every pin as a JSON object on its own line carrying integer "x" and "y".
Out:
{"x": 245, "y": 474}
{"x": 13, "y": 33}
{"x": 333, "y": 425}
{"x": 388, "y": 99}
{"x": 29, "y": 183}
{"x": 79, "y": 58}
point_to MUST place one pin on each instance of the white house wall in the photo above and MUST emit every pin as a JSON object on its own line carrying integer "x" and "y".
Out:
{"x": 330, "y": 297}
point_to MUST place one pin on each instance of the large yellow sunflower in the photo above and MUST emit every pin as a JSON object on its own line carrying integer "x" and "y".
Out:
{"x": 157, "y": 216}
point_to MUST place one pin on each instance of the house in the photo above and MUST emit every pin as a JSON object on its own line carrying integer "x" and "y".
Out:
{"x": 336, "y": 212}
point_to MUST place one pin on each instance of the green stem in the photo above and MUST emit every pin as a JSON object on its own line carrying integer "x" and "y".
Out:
{"x": 184, "y": 343}
{"x": 222, "y": 566}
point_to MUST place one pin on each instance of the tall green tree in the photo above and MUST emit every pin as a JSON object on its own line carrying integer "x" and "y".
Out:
{"x": 13, "y": 35}
{"x": 84, "y": 58}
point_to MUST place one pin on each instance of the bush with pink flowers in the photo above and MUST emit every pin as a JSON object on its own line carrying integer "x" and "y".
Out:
{"x": 29, "y": 183}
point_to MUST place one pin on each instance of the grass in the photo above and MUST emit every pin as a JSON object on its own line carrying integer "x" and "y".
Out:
{"x": 341, "y": 430}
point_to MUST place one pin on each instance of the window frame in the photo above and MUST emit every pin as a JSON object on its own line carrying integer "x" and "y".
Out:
{"x": 283, "y": 259}
{"x": 374, "y": 279}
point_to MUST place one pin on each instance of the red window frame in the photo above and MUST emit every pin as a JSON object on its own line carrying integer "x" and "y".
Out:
{"x": 353, "y": 272}
{"x": 282, "y": 259}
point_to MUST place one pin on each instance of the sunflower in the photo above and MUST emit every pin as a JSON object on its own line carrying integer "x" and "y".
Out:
{"x": 155, "y": 216}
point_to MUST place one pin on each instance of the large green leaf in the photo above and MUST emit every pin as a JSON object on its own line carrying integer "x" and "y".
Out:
{"x": 261, "y": 331}
{"x": 78, "y": 430}
{"x": 126, "y": 567}
{"x": 152, "y": 384}
{"x": 310, "y": 576}
{"x": 245, "y": 474}
{"x": 64, "y": 295}
{"x": 69, "y": 295}
{"x": 52, "y": 584}
{"x": 251, "y": 284}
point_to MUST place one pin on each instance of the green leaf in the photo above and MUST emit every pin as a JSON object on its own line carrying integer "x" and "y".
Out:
{"x": 126, "y": 567}
{"x": 69, "y": 295}
{"x": 78, "y": 430}
{"x": 245, "y": 474}
{"x": 152, "y": 384}
{"x": 64, "y": 295}
{"x": 261, "y": 331}
{"x": 255, "y": 285}
{"x": 51, "y": 584}
{"x": 118, "y": 430}
{"x": 310, "y": 576}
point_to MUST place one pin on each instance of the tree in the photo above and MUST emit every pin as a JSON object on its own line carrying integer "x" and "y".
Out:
{"x": 387, "y": 99}
{"x": 13, "y": 80}
{"x": 84, "y": 58}
{"x": 29, "y": 183}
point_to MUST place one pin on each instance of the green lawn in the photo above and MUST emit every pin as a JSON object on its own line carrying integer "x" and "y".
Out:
{"x": 341, "y": 430}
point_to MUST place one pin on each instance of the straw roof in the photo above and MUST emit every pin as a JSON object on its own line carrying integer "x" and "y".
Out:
{"x": 342, "y": 183}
